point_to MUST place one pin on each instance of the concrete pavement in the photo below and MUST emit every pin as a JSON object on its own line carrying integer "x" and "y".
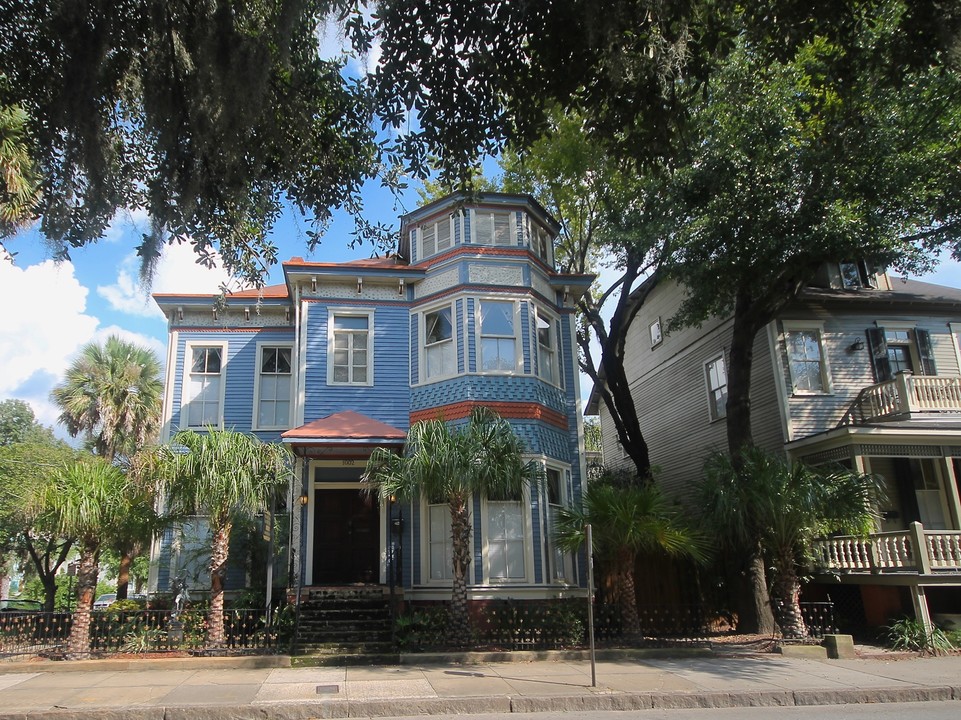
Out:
{"x": 222, "y": 688}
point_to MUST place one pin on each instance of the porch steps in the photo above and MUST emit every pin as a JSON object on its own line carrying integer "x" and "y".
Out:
{"x": 344, "y": 626}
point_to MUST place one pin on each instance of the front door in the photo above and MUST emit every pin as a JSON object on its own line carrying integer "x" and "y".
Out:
{"x": 346, "y": 538}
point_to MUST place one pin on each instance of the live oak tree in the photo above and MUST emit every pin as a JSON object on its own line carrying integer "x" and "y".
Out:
{"x": 609, "y": 217}
{"x": 829, "y": 153}
{"x": 208, "y": 116}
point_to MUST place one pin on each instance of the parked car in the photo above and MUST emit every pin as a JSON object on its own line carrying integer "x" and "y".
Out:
{"x": 108, "y": 599}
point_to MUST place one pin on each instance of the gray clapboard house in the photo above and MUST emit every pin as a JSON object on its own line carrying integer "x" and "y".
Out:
{"x": 864, "y": 369}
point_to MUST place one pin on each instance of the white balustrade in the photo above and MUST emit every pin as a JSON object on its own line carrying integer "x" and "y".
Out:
{"x": 891, "y": 552}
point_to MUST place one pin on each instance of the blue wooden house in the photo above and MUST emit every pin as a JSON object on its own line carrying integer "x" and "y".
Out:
{"x": 343, "y": 357}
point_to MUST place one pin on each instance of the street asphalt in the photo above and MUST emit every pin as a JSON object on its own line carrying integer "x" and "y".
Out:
{"x": 268, "y": 687}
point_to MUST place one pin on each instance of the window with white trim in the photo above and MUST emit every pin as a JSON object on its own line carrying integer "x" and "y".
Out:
{"x": 435, "y": 236}
{"x": 439, "y": 542}
{"x": 440, "y": 357}
{"x": 350, "y": 351}
{"x": 717, "y": 387}
{"x": 546, "y": 349}
{"x": 541, "y": 243}
{"x": 273, "y": 386}
{"x": 498, "y": 346}
{"x": 203, "y": 386}
{"x": 806, "y": 360}
{"x": 493, "y": 228}
{"x": 506, "y": 547}
{"x": 556, "y": 558}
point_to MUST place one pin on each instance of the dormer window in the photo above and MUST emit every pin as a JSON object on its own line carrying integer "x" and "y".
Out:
{"x": 856, "y": 275}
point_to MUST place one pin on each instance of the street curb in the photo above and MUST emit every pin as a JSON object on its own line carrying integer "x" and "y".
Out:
{"x": 591, "y": 702}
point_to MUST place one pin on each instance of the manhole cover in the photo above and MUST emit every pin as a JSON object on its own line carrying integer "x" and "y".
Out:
{"x": 327, "y": 689}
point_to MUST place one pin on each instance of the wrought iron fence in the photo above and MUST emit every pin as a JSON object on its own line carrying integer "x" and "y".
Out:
{"x": 819, "y": 618}
{"x": 143, "y": 631}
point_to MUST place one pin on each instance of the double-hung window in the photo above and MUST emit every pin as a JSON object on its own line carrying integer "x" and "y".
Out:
{"x": 440, "y": 549}
{"x": 717, "y": 387}
{"x": 492, "y": 228}
{"x": 555, "y": 502}
{"x": 440, "y": 358}
{"x": 498, "y": 340}
{"x": 204, "y": 385}
{"x": 273, "y": 387}
{"x": 806, "y": 360}
{"x": 505, "y": 540}
{"x": 350, "y": 349}
{"x": 546, "y": 349}
{"x": 435, "y": 237}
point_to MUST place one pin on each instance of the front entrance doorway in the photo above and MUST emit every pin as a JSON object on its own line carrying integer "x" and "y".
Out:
{"x": 346, "y": 537}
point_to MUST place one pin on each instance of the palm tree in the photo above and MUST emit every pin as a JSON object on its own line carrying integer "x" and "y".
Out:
{"x": 84, "y": 501}
{"x": 111, "y": 394}
{"x": 224, "y": 475}
{"x": 454, "y": 463}
{"x": 786, "y": 508}
{"x": 19, "y": 179}
{"x": 626, "y": 519}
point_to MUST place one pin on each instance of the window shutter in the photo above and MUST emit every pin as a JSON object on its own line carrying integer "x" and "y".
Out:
{"x": 925, "y": 352}
{"x": 879, "y": 354}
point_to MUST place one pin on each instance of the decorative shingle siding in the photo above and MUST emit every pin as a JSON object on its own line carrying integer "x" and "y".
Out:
{"x": 491, "y": 389}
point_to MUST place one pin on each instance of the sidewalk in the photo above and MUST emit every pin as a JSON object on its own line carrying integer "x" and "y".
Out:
{"x": 266, "y": 687}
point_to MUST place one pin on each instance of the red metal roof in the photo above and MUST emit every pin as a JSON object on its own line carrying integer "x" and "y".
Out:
{"x": 345, "y": 426}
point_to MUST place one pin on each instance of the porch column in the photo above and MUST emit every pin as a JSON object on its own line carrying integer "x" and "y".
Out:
{"x": 951, "y": 491}
{"x": 920, "y": 601}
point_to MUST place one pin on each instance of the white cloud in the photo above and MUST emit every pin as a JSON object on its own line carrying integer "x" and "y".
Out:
{"x": 177, "y": 271}
{"x": 43, "y": 326}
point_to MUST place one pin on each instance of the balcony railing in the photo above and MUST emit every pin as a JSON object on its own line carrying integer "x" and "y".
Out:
{"x": 916, "y": 550}
{"x": 903, "y": 395}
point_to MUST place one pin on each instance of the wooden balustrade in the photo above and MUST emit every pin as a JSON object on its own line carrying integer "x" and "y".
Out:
{"x": 913, "y": 550}
{"x": 906, "y": 393}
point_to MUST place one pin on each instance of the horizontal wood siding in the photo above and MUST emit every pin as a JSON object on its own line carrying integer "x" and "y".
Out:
{"x": 388, "y": 399}
{"x": 851, "y": 370}
{"x": 239, "y": 374}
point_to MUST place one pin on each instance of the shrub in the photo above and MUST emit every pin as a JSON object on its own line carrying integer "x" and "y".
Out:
{"x": 910, "y": 634}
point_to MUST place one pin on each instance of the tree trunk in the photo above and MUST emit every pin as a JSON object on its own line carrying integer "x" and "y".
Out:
{"x": 459, "y": 632}
{"x": 78, "y": 644}
{"x": 755, "y": 615}
{"x": 754, "y": 606}
{"x": 218, "y": 571}
{"x": 626, "y": 592}
{"x": 123, "y": 573}
{"x": 786, "y": 596}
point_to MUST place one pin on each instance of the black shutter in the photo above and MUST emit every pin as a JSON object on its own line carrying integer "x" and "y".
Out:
{"x": 923, "y": 339}
{"x": 878, "y": 348}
